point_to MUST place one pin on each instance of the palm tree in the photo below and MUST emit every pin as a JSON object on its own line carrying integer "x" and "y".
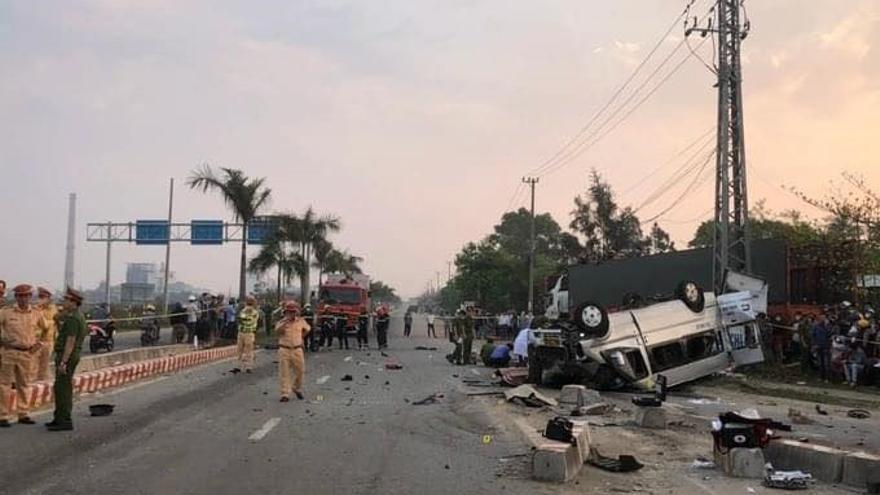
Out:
{"x": 343, "y": 262}
{"x": 276, "y": 252}
{"x": 244, "y": 196}
{"x": 323, "y": 248}
{"x": 313, "y": 229}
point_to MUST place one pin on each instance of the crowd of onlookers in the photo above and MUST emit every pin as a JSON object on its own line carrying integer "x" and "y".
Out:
{"x": 839, "y": 342}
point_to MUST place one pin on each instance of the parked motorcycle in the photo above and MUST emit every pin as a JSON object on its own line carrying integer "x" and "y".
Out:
{"x": 149, "y": 327}
{"x": 101, "y": 336}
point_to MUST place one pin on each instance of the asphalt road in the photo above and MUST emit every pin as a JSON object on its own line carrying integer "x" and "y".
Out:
{"x": 211, "y": 431}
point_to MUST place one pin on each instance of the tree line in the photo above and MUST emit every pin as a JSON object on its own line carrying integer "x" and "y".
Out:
{"x": 295, "y": 245}
{"x": 493, "y": 272}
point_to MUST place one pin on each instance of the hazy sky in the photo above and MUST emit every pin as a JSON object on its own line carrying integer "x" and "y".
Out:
{"x": 411, "y": 120}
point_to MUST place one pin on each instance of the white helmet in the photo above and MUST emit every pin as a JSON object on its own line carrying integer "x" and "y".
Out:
{"x": 845, "y": 304}
{"x": 192, "y": 298}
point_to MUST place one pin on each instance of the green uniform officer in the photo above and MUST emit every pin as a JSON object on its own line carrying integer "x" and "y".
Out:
{"x": 468, "y": 330}
{"x": 455, "y": 336}
{"x": 67, "y": 348}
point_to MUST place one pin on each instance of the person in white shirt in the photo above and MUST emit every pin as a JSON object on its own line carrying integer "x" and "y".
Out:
{"x": 192, "y": 317}
{"x": 431, "y": 331}
{"x": 521, "y": 345}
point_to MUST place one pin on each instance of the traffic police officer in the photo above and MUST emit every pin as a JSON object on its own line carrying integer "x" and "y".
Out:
{"x": 68, "y": 345}
{"x": 50, "y": 315}
{"x": 248, "y": 320}
{"x": 291, "y": 332}
{"x": 19, "y": 327}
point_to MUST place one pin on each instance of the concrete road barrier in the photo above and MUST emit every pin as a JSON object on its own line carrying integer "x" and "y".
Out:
{"x": 824, "y": 463}
{"x": 40, "y": 393}
{"x": 554, "y": 461}
{"x": 860, "y": 469}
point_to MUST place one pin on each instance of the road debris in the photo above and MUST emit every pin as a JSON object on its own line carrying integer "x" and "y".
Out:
{"x": 347, "y": 378}
{"x": 786, "y": 480}
{"x": 820, "y": 411}
{"x": 858, "y": 414}
{"x": 423, "y": 348}
{"x": 559, "y": 429}
{"x": 101, "y": 409}
{"x": 599, "y": 409}
{"x": 512, "y": 377}
{"x": 623, "y": 464}
{"x": 322, "y": 380}
{"x": 348, "y": 358}
{"x": 702, "y": 463}
{"x": 393, "y": 366}
{"x": 528, "y": 395}
{"x": 799, "y": 418}
{"x": 431, "y": 399}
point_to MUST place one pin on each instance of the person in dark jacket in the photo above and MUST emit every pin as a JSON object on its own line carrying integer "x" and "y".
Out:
{"x": 821, "y": 343}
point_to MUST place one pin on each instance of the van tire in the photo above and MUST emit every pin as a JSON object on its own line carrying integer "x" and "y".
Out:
{"x": 592, "y": 319}
{"x": 691, "y": 294}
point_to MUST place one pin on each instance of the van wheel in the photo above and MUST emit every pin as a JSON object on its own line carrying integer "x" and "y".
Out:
{"x": 592, "y": 319}
{"x": 691, "y": 295}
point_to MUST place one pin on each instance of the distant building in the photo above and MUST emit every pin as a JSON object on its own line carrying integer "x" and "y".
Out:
{"x": 140, "y": 283}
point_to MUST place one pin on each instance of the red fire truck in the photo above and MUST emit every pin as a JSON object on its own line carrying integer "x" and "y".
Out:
{"x": 346, "y": 297}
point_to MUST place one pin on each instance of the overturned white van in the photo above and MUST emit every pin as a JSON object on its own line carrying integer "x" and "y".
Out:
{"x": 685, "y": 338}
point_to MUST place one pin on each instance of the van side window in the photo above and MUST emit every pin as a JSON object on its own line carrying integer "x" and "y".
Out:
{"x": 667, "y": 356}
{"x": 685, "y": 351}
{"x": 702, "y": 346}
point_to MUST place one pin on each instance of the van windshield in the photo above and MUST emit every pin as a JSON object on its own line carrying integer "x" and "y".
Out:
{"x": 337, "y": 295}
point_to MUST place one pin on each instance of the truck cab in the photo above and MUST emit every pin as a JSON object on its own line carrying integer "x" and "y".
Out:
{"x": 346, "y": 301}
{"x": 557, "y": 298}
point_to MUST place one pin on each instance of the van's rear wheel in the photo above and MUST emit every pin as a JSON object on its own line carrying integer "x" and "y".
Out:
{"x": 691, "y": 295}
{"x": 592, "y": 319}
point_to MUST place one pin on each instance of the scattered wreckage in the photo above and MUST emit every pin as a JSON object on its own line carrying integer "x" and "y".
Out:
{"x": 690, "y": 336}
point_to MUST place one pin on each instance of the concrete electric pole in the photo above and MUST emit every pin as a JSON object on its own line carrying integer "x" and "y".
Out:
{"x": 71, "y": 242}
{"x": 731, "y": 245}
{"x": 531, "y": 181}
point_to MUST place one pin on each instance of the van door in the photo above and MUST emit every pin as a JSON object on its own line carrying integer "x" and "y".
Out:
{"x": 744, "y": 343}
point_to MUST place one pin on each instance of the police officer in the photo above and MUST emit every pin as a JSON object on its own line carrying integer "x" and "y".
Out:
{"x": 382, "y": 321}
{"x": 50, "y": 315}
{"x": 311, "y": 343}
{"x": 291, "y": 330}
{"x": 247, "y": 331}
{"x": 20, "y": 325}
{"x": 468, "y": 336}
{"x": 455, "y": 337}
{"x": 68, "y": 344}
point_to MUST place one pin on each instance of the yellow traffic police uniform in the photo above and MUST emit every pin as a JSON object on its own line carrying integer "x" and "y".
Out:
{"x": 291, "y": 333}
{"x": 19, "y": 329}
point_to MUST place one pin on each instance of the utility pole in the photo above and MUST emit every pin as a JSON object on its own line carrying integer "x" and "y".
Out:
{"x": 449, "y": 271}
{"x": 531, "y": 181}
{"x": 732, "y": 251}
{"x": 168, "y": 248}
{"x": 71, "y": 242}
{"x": 107, "y": 268}
{"x": 438, "y": 280}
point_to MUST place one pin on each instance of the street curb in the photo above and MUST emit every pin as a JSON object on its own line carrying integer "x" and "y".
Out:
{"x": 40, "y": 393}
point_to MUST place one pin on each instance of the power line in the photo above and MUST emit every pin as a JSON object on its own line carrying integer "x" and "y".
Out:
{"x": 668, "y": 162}
{"x": 586, "y": 145}
{"x": 583, "y": 130}
{"x": 680, "y": 174}
{"x": 687, "y": 190}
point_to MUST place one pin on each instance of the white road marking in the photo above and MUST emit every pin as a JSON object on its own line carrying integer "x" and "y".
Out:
{"x": 322, "y": 380}
{"x": 262, "y": 432}
{"x": 347, "y": 359}
{"x": 475, "y": 371}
